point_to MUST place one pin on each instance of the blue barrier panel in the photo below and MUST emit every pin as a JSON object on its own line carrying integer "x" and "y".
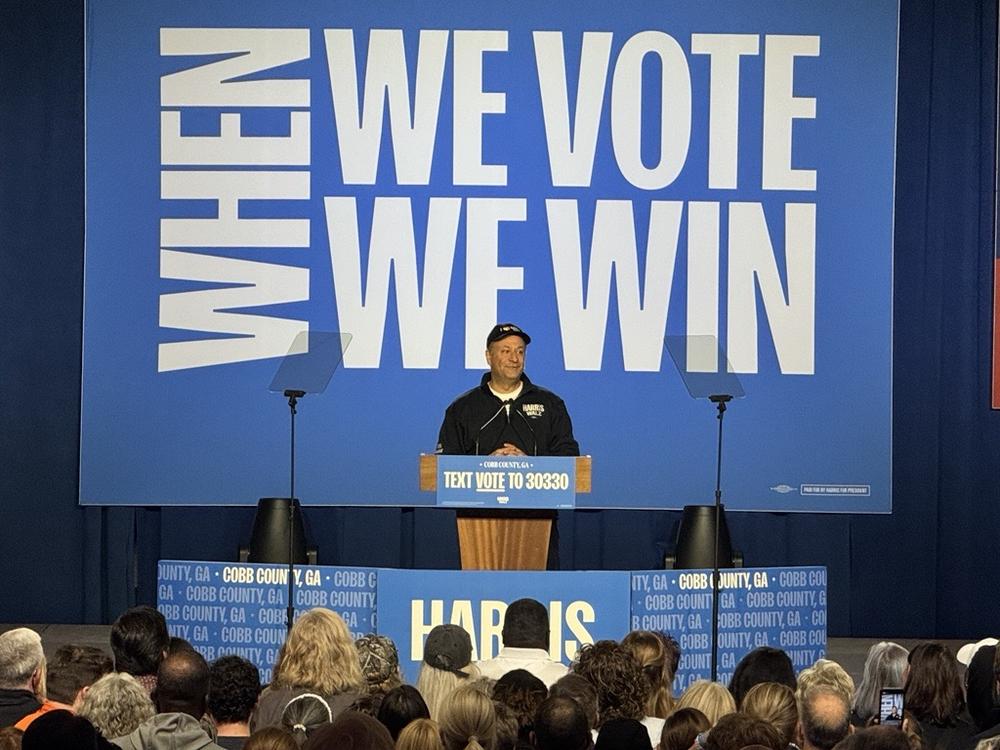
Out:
{"x": 583, "y": 607}
{"x": 780, "y": 607}
{"x": 230, "y": 608}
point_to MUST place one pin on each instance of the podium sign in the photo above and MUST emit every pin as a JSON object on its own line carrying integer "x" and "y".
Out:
{"x": 506, "y": 481}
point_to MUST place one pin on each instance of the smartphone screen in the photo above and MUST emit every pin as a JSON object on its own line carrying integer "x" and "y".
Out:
{"x": 890, "y": 707}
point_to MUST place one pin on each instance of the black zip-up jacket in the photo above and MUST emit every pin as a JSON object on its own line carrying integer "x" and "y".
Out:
{"x": 477, "y": 423}
{"x": 15, "y": 705}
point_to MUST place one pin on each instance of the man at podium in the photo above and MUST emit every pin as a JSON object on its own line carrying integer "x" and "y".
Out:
{"x": 507, "y": 414}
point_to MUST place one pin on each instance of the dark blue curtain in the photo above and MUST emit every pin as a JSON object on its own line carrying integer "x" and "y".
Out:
{"x": 923, "y": 571}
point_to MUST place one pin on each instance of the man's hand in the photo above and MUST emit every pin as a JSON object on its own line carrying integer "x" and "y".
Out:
{"x": 508, "y": 449}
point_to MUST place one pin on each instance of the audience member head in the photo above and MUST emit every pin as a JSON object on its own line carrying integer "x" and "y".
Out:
{"x": 420, "y": 734}
{"x": 116, "y": 704}
{"x": 351, "y": 731}
{"x": 622, "y": 734}
{"x": 10, "y": 738}
{"x": 620, "y": 685}
{"x": 508, "y": 728}
{"x": 828, "y": 673}
{"x": 560, "y": 724}
{"x": 736, "y": 731}
{"x": 304, "y": 714}
{"x": 824, "y": 717}
{"x": 658, "y": 655}
{"x": 884, "y": 668}
{"x": 711, "y": 698}
{"x": 981, "y": 687}
{"x": 319, "y": 655}
{"x": 61, "y": 730}
{"x": 681, "y": 728}
{"x": 965, "y": 653}
{"x": 483, "y": 683}
{"x": 182, "y": 684}
{"x": 468, "y": 720}
{"x": 933, "y": 689}
{"x": 448, "y": 647}
{"x": 233, "y": 689}
{"x": 367, "y": 703}
{"x": 775, "y": 704}
{"x": 139, "y": 641}
{"x": 580, "y": 689}
{"x": 402, "y": 705}
{"x": 763, "y": 664}
{"x": 523, "y": 693}
{"x": 271, "y": 738}
{"x": 447, "y": 664}
{"x": 526, "y": 625}
{"x": 22, "y": 661}
{"x": 379, "y": 661}
{"x": 72, "y": 670}
{"x": 179, "y": 644}
{"x": 877, "y": 738}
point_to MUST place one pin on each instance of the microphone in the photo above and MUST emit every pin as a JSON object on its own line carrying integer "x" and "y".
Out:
{"x": 525, "y": 420}
{"x": 500, "y": 411}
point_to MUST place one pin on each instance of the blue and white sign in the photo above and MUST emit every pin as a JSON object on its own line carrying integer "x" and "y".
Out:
{"x": 229, "y": 608}
{"x": 506, "y": 482}
{"x": 410, "y": 174}
{"x": 583, "y": 607}
{"x": 780, "y": 607}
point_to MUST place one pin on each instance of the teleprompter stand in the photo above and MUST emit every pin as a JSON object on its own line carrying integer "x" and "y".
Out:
{"x": 706, "y": 374}
{"x": 307, "y": 368}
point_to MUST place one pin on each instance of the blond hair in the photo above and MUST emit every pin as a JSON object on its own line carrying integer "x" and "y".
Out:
{"x": 775, "y": 704}
{"x": 436, "y": 685}
{"x": 420, "y": 734}
{"x": 319, "y": 655}
{"x": 711, "y": 698}
{"x": 828, "y": 674}
{"x": 468, "y": 720}
{"x": 649, "y": 651}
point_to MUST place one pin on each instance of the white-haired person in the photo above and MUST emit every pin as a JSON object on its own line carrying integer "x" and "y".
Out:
{"x": 22, "y": 675}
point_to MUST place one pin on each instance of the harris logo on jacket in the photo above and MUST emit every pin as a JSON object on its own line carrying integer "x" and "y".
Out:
{"x": 533, "y": 410}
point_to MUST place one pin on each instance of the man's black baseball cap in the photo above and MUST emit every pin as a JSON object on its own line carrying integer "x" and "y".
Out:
{"x": 503, "y": 330}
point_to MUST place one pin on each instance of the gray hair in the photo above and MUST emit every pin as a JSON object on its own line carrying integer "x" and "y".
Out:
{"x": 21, "y": 656}
{"x": 116, "y": 704}
{"x": 884, "y": 667}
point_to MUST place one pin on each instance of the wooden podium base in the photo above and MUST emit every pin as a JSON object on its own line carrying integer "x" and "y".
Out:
{"x": 503, "y": 542}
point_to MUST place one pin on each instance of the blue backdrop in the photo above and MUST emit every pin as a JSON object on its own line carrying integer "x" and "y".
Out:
{"x": 64, "y": 563}
{"x": 413, "y": 174}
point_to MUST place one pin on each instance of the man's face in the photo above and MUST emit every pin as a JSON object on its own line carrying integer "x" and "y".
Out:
{"x": 506, "y": 359}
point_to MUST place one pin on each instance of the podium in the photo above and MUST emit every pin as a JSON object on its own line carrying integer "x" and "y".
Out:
{"x": 503, "y": 539}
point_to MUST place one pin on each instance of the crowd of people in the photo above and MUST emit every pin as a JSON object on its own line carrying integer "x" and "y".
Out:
{"x": 330, "y": 691}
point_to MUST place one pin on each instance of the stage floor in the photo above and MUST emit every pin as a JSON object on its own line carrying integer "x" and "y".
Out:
{"x": 848, "y": 652}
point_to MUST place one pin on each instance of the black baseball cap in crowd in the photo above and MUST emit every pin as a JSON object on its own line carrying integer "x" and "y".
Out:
{"x": 448, "y": 647}
{"x": 503, "y": 330}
